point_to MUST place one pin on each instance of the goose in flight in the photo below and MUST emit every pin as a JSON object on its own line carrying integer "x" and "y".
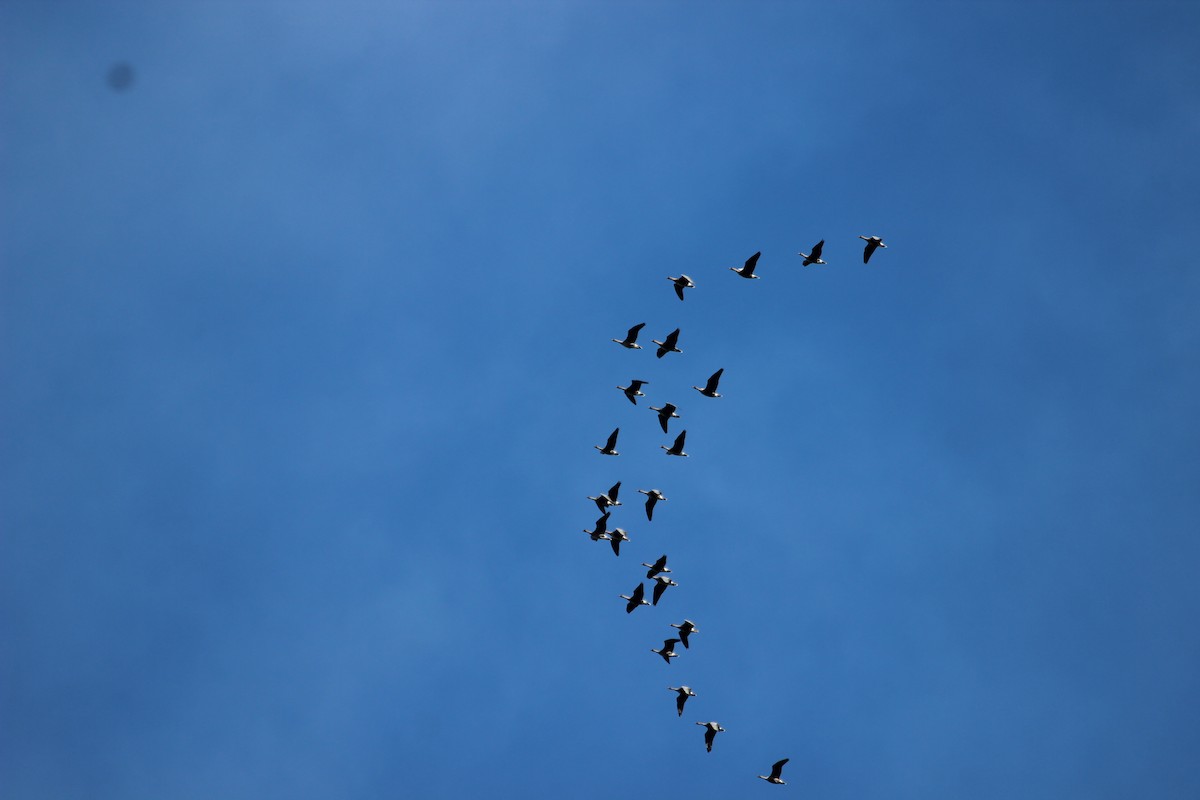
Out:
{"x": 610, "y": 447}
{"x": 710, "y": 733}
{"x": 684, "y": 693}
{"x": 607, "y": 499}
{"x": 681, "y": 283}
{"x": 665, "y": 413}
{"x": 616, "y": 536}
{"x": 710, "y": 388}
{"x": 776, "y": 769}
{"x": 668, "y": 345}
{"x": 660, "y": 586}
{"x": 652, "y": 497}
{"x": 638, "y": 598}
{"x": 634, "y": 390}
{"x": 600, "y": 531}
{"x": 668, "y": 650}
{"x": 872, "y": 243}
{"x": 658, "y": 566}
{"x": 675, "y": 449}
{"x": 747, "y": 269}
{"x": 815, "y": 256}
{"x": 685, "y": 628}
{"x": 630, "y": 340}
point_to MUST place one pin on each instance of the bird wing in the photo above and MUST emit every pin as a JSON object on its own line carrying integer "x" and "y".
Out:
{"x": 602, "y": 523}
{"x": 635, "y": 384}
{"x": 612, "y": 493}
{"x": 679, "y": 289}
{"x": 663, "y": 416}
{"x": 669, "y": 409}
{"x": 679, "y": 441}
{"x": 751, "y": 262}
{"x": 650, "y": 501}
{"x": 612, "y": 439}
{"x": 679, "y": 701}
{"x": 683, "y": 635}
{"x": 870, "y": 248}
{"x": 660, "y": 563}
{"x": 659, "y": 588}
{"x": 777, "y": 767}
{"x": 671, "y": 339}
{"x": 639, "y": 594}
{"x": 816, "y": 251}
{"x": 632, "y": 335}
{"x": 713, "y": 380}
{"x": 615, "y": 541}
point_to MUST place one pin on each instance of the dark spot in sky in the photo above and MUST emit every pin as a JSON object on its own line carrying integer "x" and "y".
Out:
{"x": 120, "y": 76}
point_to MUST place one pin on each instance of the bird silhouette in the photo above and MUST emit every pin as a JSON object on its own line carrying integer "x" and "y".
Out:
{"x": 684, "y": 693}
{"x": 686, "y": 628}
{"x": 667, "y": 345}
{"x": 675, "y": 449}
{"x": 652, "y": 498}
{"x": 658, "y": 566}
{"x": 607, "y": 499}
{"x": 815, "y": 256}
{"x": 710, "y": 388}
{"x": 872, "y": 243}
{"x": 681, "y": 283}
{"x": 660, "y": 586}
{"x": 711, "y": 729}
{"x": 747, "y": 269}
{"x": 668, "y": 650}
{"x": 638, "y": 598}
{"x": 665, "y": 413}
{"x": 633, "y": 390}
{"x": 610, "y": 447}
{"x": 630, "y": 339}
{"x": 776, "y": 769}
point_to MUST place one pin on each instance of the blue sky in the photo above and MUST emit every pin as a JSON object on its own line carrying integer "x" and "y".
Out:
{"x": 304, "y": 346}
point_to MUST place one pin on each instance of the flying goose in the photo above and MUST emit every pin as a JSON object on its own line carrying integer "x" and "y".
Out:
{"x": 610, "y": 448}
{"x": 607, "y": 499}
{"x": 658, "y": 566}
{"x": 710, "y": 733}
{"x": 633, "y": 390}
{"x": 675, "y": 449}
{"x": 616, "y": 536}
{"x": 665, "y": 413}
{"x": 652, "y": 497}
{"x": 599, "y": 532}
{"x": 687, "y": 627}
{"x": 872, "y": 243}
{"x": 630, "y": 340}
{"x": 668, "y": 345}
{"x": 710, "y": 388}
{"x": 660, "y": 586}
{"x": 747, "y": 269}
{"x": 681, "y": 283}
{"x": 668, "y": 650}
{"x": 776, "y": 768}
{"x": 684, "y": 693}
{"x": 815, "y": 256}
{"x": 638, "y": 598}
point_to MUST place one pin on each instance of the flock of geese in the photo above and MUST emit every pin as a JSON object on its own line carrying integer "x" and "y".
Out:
{"x": 658, "y": 571}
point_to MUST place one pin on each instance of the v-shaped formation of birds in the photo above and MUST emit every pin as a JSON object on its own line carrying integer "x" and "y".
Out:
{"x": 657, "y": 572}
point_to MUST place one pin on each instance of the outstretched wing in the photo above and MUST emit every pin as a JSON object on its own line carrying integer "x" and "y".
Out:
{"x": 751, "y": 262}
{"x": 679, "y": 289}
{"x": 679, "y": 441}
{"x": 671, "y": 339}
{"x": 870, "y": 248}
{"x": 650, "y": 501}
{"x": 612, "y": 493}
{"x": 816, "y": 251}
{"x": 713, "y": 380}
{"x": 612, "y": 440}
{"x": 602, "y": 523}
{"x": 777, "y": 768}
{"x": 631, "y": 337}
{"x": 659, "y": 588}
